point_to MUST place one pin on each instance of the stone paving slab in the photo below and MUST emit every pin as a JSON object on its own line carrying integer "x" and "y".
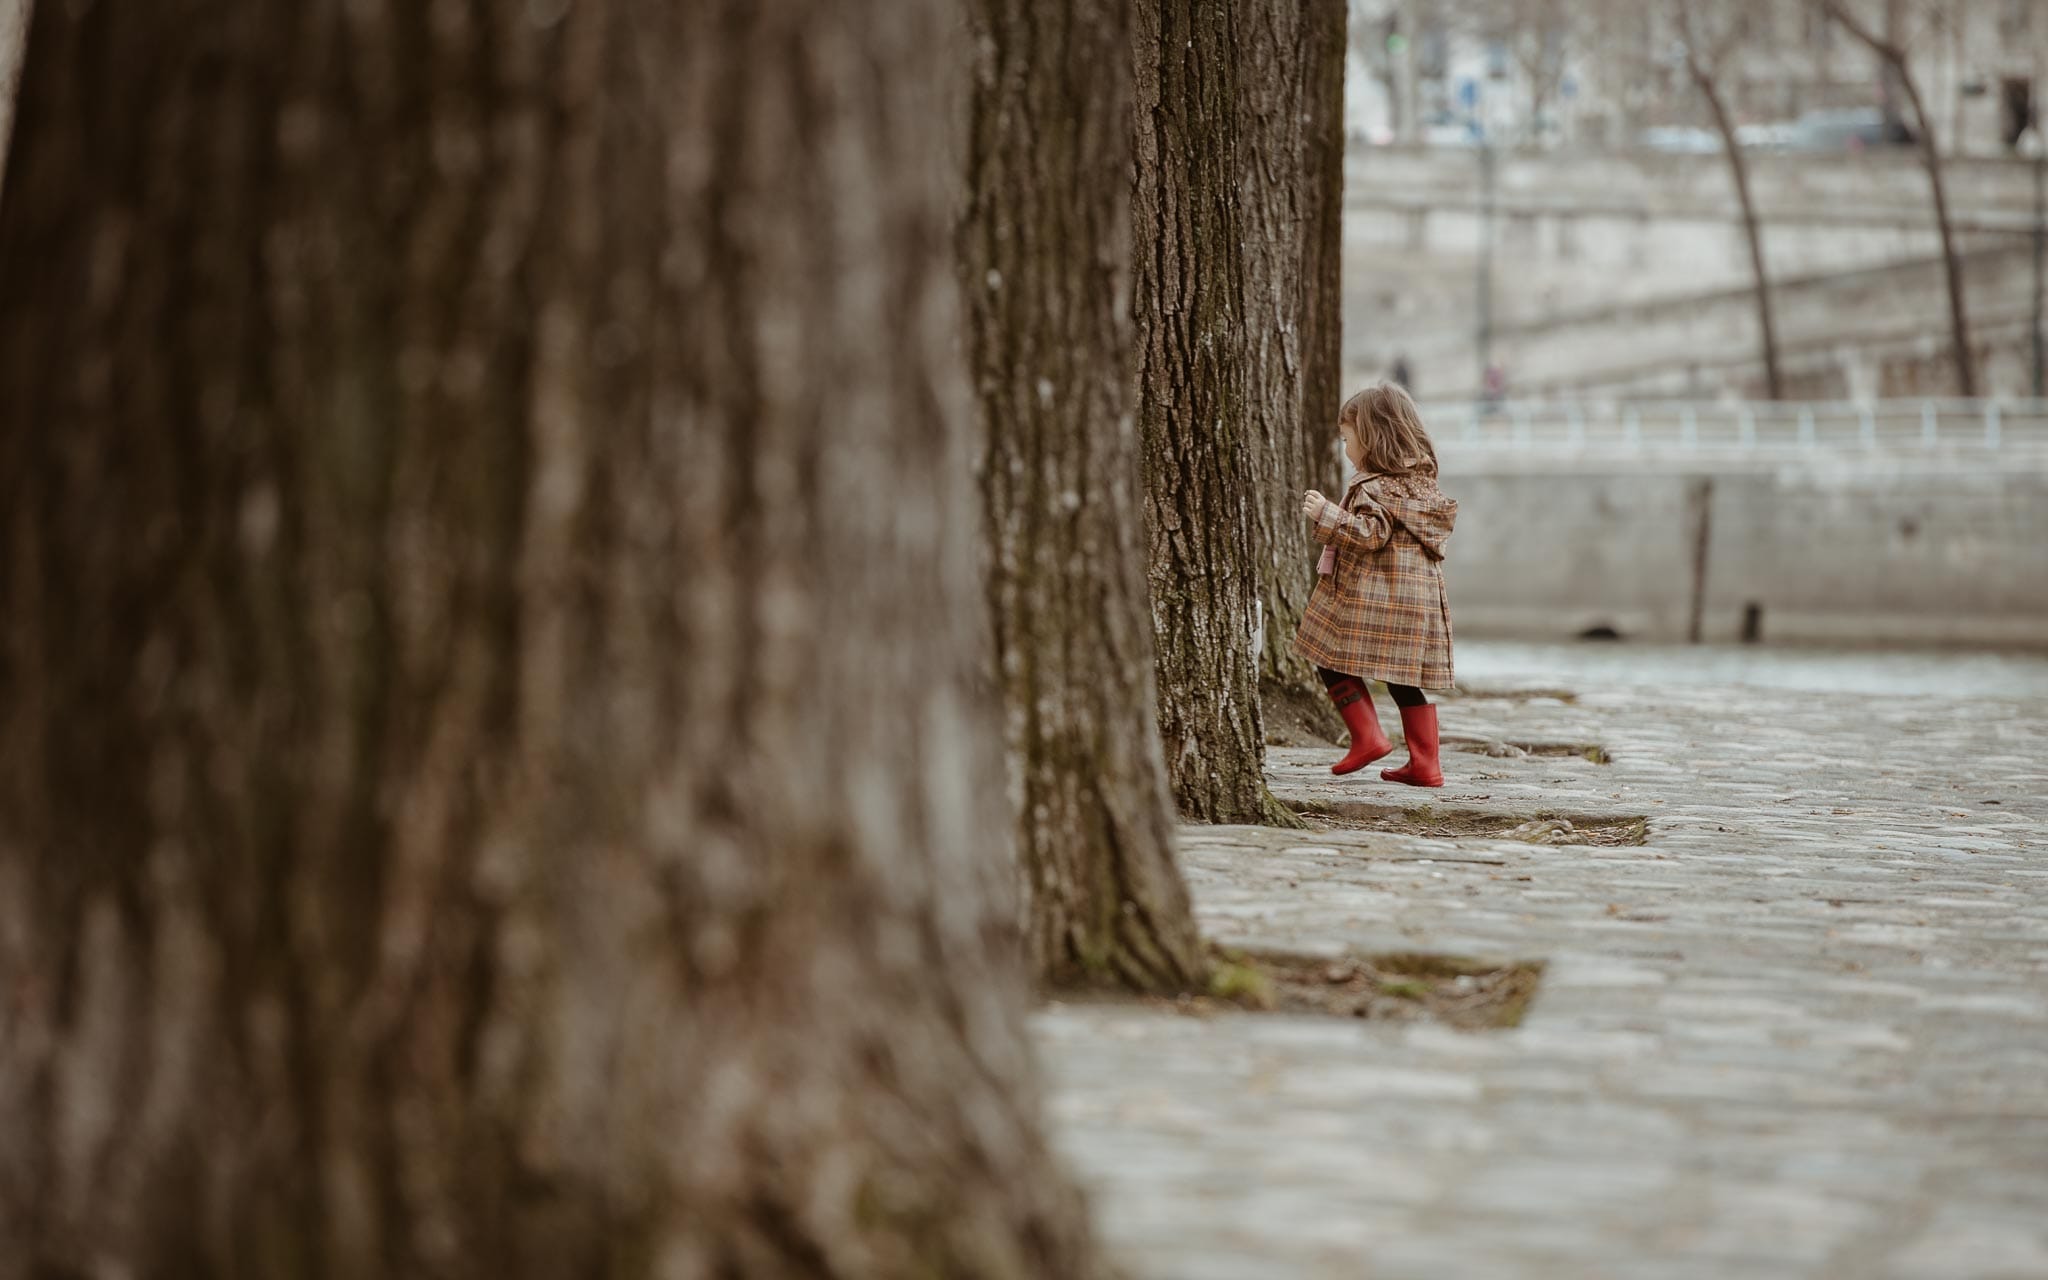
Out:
{"x": 1803, "y": 1031}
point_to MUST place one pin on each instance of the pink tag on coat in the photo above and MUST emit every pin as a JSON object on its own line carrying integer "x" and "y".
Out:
{"x": 1326, "y": 564}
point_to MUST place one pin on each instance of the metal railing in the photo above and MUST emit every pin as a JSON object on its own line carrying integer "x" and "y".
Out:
{"x": 1663, "y": 425}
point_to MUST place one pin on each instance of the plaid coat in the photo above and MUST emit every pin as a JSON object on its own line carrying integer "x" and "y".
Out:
{"x": 1382, "y": 613}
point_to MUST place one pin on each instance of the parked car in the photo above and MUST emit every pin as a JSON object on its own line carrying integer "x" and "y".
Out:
{"x": 1844, "y": 129}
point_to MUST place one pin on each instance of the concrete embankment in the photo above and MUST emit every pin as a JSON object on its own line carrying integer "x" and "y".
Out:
{"x": 1841, "y": 548}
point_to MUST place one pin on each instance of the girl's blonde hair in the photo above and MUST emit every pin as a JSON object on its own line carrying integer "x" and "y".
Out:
{"x": 1390, "y": 427}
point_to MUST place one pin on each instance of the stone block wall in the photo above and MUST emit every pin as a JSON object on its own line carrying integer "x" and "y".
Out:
{"x": 1881, "y": 549}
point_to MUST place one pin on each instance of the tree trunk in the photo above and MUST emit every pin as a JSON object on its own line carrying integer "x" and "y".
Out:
{"x": 1767, "y": 332}
{"x": 1893, "y": 57}
{"x": 1317, "y": 459}
{"x": 1199, "y": 427}
{"x": 490, "y": 781}
{"x": 1291, "y": 94}
{"x": 1045, "y": 254}
{"x": 1321, "y": 284}
{"x": 14, "y": 15}
{"x": 1930, "y": 156}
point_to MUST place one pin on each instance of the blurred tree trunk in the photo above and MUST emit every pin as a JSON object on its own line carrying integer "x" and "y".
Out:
{"x": 1291, "y": 199}
{"x": 1930, "y": 157}
{"x": 1738, "y": 165}
{"x": 1704, "y": 72}
{"x": 1891, "y": 54}
{"x": 1045, "y": 252}
{"x": 489, "y": 779}
{"x": 1369, "y": 40}
{"x": 14, "y": 15}
{"x": 1201, "y": 431}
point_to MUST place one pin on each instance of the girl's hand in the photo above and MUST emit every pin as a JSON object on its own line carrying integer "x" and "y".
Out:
{"x": 1312, "y": 504}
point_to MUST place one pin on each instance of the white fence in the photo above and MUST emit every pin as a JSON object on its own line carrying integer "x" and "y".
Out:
{"x": 1675, "y": 425}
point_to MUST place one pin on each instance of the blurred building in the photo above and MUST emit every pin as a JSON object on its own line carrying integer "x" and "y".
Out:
{"x": 1609, "y": 72}
{"x": 1593, "y": 246}
{"x": 1627, "y": 273}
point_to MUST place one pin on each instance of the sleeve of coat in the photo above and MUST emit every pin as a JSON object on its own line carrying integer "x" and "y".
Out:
{"x": 1366, "y": 529}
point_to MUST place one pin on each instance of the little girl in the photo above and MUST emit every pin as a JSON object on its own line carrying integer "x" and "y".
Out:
{"x": 1377, "y": 611}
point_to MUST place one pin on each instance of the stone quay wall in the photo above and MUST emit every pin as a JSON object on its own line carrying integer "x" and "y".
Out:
{"x": 1885, "y": 547}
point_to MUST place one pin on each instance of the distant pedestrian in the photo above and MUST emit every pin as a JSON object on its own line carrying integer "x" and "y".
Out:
{"x": 1403, "y": 376}
{"x": 1377, "y": 611}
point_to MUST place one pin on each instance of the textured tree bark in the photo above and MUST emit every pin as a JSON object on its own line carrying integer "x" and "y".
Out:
{"x": 1321, "y": 286}
{"x": 1199, "y": 427}
{"x": 1045, "y": 254}
{"x": 1291, "y": 95}
{"x": 490, "y": 781}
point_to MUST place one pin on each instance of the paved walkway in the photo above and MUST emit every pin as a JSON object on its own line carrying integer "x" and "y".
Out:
{"x": 1802, "y": 1032}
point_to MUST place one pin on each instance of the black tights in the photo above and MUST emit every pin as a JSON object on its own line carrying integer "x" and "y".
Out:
{"x": 1405, "y": 695}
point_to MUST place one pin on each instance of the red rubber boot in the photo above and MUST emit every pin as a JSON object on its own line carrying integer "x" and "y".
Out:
{"x": 1368, "y": 740}
{"x": 1418, "y": 725}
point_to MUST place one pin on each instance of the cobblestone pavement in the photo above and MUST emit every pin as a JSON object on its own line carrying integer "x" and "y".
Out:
{"x": 1802, "y": 1032}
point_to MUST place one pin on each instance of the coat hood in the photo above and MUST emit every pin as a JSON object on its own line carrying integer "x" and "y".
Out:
{"x": 1417, "y": 505}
